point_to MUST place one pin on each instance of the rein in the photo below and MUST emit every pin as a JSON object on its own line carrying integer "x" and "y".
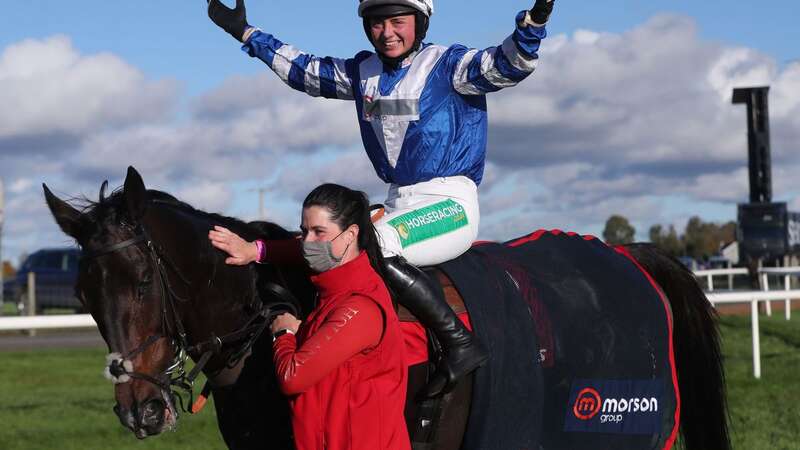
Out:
{"x": 120, "y": 367}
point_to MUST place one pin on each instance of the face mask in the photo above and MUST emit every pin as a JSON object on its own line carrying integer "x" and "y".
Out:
{"x": 319, "y": 254}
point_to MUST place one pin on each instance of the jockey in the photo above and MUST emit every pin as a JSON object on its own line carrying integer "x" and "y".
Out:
{"x": 421, "y": 109}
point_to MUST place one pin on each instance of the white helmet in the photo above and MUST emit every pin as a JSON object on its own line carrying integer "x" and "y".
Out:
{"x": 423, "y": 6}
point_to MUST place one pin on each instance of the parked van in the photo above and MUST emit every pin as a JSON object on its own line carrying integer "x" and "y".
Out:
{"x": 56, "y": 270}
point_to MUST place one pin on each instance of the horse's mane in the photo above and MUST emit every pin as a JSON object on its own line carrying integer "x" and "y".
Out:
{"x": 114, "y": 206}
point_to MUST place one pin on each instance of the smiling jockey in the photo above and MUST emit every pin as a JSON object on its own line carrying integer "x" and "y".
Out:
{"x": 422, "y": 113}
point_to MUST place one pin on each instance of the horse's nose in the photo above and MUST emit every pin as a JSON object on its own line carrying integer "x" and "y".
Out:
{"x": 143, "y": 420}
{"x": 152, "y": 416}
{"x": 126, "y": 417}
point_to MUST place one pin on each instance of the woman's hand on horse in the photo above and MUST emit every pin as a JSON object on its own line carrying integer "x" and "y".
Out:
{"x": 241, "y": 252}
{"x": 285, "y": 321}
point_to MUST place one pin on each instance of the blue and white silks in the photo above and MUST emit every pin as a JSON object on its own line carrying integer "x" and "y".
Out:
{"x": 425, "y": 119}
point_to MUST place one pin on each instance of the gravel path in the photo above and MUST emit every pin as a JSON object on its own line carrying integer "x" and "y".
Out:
{"x": 50, "y": 340}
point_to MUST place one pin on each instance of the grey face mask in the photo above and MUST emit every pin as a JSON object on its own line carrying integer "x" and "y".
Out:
{"x": 319, "y": 254}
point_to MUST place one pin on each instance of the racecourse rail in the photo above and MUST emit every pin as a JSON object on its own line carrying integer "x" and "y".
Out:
{"x": 715, "y": 297}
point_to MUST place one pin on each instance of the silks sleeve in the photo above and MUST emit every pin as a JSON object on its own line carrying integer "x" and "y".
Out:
{"x": 318, "y": 77}
{"x": 477, "y": 72}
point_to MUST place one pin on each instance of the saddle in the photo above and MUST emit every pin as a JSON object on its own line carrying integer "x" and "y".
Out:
{"x": 451, "y": 295}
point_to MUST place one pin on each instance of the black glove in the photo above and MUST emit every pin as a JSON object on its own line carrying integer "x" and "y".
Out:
{"x": 234, "y": 21}
{"x": 541, "y": 11}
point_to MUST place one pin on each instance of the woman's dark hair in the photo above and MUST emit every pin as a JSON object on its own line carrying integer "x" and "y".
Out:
{"x": 348, "y": 207}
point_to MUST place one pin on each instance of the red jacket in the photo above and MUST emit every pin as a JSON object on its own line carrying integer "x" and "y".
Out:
{"x": 345, "y": 371}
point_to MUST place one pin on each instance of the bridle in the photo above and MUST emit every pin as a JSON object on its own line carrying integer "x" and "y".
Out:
{"x": 120, "y": 367}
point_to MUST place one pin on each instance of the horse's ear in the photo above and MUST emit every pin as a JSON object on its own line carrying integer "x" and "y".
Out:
{"x": 67, "y": 217}
{"x": 103, "y": 188}
{"x": 135, "y": 194}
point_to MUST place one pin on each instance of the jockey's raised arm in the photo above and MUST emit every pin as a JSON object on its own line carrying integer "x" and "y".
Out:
{"x": 316, "y": 76}
{"x": 473, "y": 71}
{"x": 478, "y": 72}
{"x": 319, "y": 77}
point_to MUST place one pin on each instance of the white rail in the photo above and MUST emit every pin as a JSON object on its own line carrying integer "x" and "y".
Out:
{"x": 764, "y": 273}
{"x": 45, "y": 322}
{"x": 788, "y": 273}
{"x": 711, "y": 273}
{"x": 753, "y": 297}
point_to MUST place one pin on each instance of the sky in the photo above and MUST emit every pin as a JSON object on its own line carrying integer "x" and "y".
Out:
{"x": 629, "y": 111}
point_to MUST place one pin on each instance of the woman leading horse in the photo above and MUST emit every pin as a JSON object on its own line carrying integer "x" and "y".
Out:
{"x": 343, "y": 368}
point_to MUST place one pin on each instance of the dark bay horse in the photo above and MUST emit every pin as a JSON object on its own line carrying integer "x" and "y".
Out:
{"x": 161, "y": 294}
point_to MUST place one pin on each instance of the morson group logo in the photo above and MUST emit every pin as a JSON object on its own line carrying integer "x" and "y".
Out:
{"x": 615, "y": 406}
{"x": 587, "y": 405}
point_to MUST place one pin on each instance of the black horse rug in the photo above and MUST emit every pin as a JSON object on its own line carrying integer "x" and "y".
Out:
{"x": 581, "y": 347}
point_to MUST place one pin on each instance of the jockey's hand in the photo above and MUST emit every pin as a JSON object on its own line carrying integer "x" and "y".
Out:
{"x": 234, "y": 21}
{"x": 541, "y": 11}
{"x": 285, "y": 321}
{"x": 241, "y": 252}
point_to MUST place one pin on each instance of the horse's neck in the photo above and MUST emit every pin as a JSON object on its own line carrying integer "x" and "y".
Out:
{"x": 210, "y": 295}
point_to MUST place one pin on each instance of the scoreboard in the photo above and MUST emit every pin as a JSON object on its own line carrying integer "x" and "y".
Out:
{"x": 768, "y": 230}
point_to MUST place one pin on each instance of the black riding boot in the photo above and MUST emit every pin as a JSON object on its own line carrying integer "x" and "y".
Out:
{"x": 425, "y": 299}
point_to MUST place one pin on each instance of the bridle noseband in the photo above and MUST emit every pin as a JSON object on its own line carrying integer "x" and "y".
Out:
{"x": 120, "y": 368}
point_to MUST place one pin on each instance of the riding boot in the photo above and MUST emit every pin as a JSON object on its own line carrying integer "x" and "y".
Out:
{"x": 424, "y": 297}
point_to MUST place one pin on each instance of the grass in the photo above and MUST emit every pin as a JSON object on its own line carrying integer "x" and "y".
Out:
{"x": 57, "y": 399}
{"x": 8, "y": 308}
{"x": 764, "y": 413}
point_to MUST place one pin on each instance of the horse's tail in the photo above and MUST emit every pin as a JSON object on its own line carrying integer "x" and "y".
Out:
{"x": 698, "y": 359}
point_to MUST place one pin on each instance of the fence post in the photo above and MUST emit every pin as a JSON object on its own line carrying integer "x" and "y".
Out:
{"x": 787, "y": 285}
{"x": 765, "y": 288}
{"x": 730, "y": 278}
{"x": 756, "y": 340}
{"x": 30, "y": 304}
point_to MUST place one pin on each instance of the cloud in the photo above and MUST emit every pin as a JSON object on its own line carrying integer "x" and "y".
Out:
{"x": 206, "y": 196}
{"x": 352, "y": 169}
{"x": 50, "y": 90}
{"x": 611, "y": 123}
{"x": 264, "y": 112}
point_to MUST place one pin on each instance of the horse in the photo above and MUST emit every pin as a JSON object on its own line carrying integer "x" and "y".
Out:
{"x": 161, "y": 294}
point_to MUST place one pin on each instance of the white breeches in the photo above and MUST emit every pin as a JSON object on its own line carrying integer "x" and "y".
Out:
{"x": 430, "y": 222}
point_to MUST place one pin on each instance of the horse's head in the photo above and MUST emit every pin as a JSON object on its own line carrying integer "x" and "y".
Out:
{"x": 120, "y": 284}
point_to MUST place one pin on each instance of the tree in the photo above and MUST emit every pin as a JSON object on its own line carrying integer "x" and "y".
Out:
{"x": 700, "y": 240}
{"x": 618, "y": 231}
{"x": 8, "y": 270}
{"x": 667, "y": 240}
{"x": 704, "y": 239}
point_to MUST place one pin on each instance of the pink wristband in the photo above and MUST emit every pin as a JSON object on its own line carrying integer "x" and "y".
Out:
{"x": 260, "y": 247}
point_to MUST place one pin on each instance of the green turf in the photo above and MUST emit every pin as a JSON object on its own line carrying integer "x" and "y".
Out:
{"x": 8, "y": 309}
{"x": 765, "y": 413}
{"x": 57, "y": 399}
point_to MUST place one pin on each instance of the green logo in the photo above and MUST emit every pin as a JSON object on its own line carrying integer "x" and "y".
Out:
{"x": 429, "y": 222}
